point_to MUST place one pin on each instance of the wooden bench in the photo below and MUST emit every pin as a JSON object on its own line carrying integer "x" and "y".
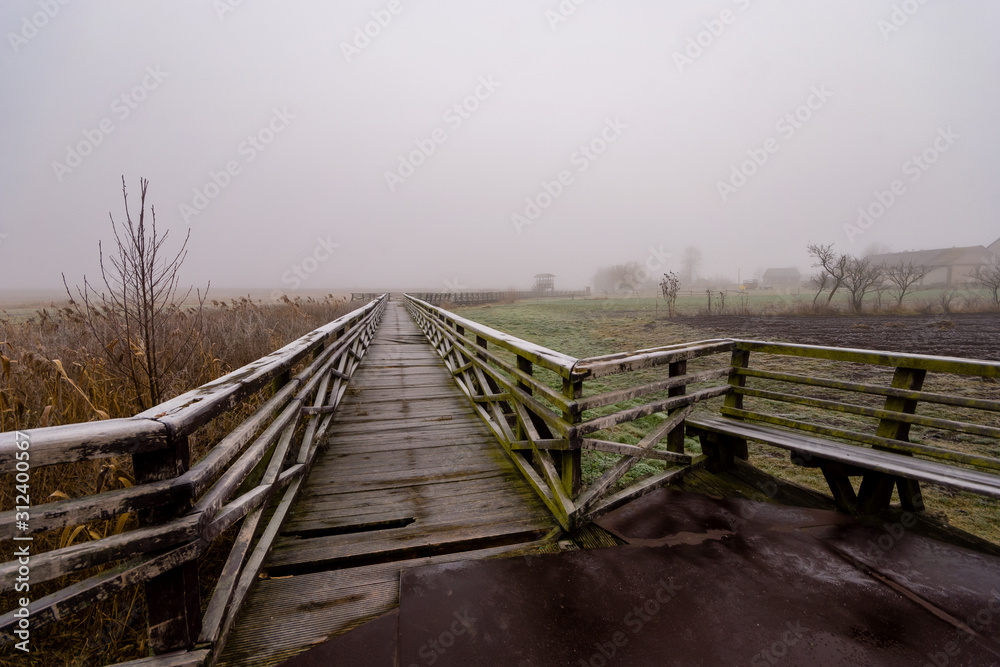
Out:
{"x": 949, "y": 447}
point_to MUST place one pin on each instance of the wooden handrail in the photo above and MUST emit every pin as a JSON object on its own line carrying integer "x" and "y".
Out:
{"x": 625, "y": 362}
{"x": 183, "y": 511}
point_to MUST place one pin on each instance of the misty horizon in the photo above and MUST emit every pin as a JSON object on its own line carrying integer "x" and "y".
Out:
{"x": 383, "y": 144}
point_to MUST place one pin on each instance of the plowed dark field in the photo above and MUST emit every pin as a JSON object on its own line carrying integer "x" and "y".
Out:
{"x": 974, "y": 335}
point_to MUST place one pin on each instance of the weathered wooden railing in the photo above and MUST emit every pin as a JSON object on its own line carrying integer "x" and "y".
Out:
{"x": 894, "y": 420}
{"x": 545, "y": 407}
{"x": 182, "y": 509}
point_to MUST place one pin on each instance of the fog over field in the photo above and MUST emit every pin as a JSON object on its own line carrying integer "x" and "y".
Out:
{"x": 446, "y": 145}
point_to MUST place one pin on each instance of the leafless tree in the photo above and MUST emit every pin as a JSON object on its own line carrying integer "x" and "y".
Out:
{"x": 140, "y": 322}
{"x": 833, "y": 263}
{"x": 903, "y": 276}
{"x": 691, "y": 261}
{"x": 989, "y": 278}
{"x": 860, "y": 276}
{"x": 822, "y": 281}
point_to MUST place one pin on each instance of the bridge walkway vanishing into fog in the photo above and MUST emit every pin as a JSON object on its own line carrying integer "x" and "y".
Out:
{"x": 408, "y": 471}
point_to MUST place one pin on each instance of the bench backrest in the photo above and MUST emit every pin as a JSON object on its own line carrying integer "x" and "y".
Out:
{"x": 940, "y": 407}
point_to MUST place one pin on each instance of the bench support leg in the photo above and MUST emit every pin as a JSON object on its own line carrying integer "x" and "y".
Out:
{"x": 875, "y": 493}
{"x": 909, "y": 494}
{"x": 840, "y": 487}
{"x": 721, "y": 451}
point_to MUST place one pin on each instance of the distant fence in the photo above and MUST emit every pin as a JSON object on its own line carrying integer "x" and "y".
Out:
{"x": 468, "y": 298}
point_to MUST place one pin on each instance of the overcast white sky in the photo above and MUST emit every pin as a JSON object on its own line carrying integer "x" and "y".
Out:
{"x": 330, "y": 122}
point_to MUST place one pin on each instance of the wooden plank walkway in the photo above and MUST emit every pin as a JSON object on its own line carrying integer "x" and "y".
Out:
{"x": 409, "y": 475}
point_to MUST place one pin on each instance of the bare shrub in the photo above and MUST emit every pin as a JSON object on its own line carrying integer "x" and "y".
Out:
{"x": 669, "y": 286}
{"x": 145, "y": 333}
{"x": 903, "y": 277}
{"x": 860, "y": 277}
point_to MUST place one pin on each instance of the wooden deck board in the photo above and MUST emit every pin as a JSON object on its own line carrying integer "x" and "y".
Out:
{"x": 405, "y": 450}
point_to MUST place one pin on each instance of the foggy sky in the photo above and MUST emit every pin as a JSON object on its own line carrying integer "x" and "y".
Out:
{"x": 309, "y": 118}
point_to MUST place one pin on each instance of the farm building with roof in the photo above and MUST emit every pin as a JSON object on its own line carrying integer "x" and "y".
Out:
{"x": 945, "y": 266}
{"x": 785, "y": 277}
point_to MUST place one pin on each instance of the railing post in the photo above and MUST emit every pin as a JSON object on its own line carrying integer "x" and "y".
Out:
{"x": 741, "y": 359}
{"x": 173, "y": 603}
{"x": 675, "y": 439}
{"x": 570, "y": 460}
{"x": 523, "y": 365}
{"x": 280, "y": 380}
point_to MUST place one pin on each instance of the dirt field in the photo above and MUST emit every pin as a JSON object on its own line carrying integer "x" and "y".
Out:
{"x": 973, "y": 335}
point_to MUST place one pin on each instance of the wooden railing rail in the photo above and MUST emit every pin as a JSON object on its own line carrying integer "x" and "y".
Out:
{"x": 181, "y": 508}
{"x": 537, "y": 404}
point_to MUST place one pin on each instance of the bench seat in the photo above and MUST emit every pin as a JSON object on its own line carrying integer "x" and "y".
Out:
{"x": 852, "y": 459}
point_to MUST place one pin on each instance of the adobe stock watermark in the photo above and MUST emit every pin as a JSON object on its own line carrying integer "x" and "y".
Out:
{"x": 121, "y": 108}
{"x": 434, "y": 648}
{"x": 714, "y": 28}
{"x": 33, "y": 24}
{"x": 786, "y": 126}
{"x": 562, "y": 13}
{"x": 894, "y": 532}
{"x": 915, "y": 167}
{"x": 225, "y": 7}
{"x": 634, "y": 621}
{"x": 366, "y": 33}
{"x": 749, "y": 510}
{"x": 899, "y": 16}
{"x": 22, "y": 552}
{"x": 301, "y": 271}
{"x": 581, "y": 158}
{"x": 455, "y": 116}
{"x": 978, "y": 623}
{"x": 454, "y": 285}
{"x": 639, "y": 274}
{"x": 246, "y": 152}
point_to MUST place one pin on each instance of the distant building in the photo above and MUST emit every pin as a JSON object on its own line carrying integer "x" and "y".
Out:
{"x": 544, "y": 282}
{"x": 782, "y": 278}
{"x": 945, "y": 266}
{"x": 994, "y": 247}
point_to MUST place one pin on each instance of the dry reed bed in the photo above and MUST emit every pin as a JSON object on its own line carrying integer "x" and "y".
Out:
{"x": 52, "y": 372}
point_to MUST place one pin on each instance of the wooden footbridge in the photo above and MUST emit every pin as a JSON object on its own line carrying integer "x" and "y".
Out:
{"x": 402, "y": 434}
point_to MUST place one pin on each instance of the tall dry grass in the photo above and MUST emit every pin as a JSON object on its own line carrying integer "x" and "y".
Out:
{"x": 53, "y": 371}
